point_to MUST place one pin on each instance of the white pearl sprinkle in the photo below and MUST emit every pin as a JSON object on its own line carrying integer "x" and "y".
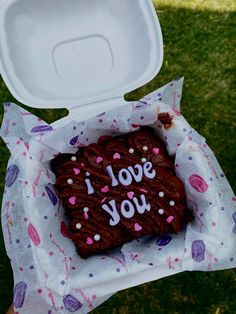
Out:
{"x": 86, "y": 209}
{"x": 161, "y": 211}
{"x": 73, "y": 158}
{"x": 97, "y": 237}
{"x": 145, "y": 148}
{"x": 161, "y": 194}
{"x": 172, "y": 203}
{"x": 144, "y": 160}
{"x": 78, "y": 226}
{"x": 87, "y": 174}
{"x": 131, "y": 150}
{"x": 70, "y": 181}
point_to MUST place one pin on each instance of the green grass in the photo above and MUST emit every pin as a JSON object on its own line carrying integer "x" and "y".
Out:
{"x": 199, "y": 38}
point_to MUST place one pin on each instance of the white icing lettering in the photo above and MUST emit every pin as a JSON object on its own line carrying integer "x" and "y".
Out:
{"x": 149, "y": 172}
{"x": 143, "y": 205}
{"x": 125, "y": 177}
{"x": 137, "y": 176}
{"x": 111, "y": 209}
{"x": 112, "y": 176}
{"x": 89, "y": 186}
{"x": 127, "y": 209}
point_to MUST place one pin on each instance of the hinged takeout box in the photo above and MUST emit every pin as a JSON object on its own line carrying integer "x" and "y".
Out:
{"x": 85, "y": 55}
{"x": 80, "y": 55}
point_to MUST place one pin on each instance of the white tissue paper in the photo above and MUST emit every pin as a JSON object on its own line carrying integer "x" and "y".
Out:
{"x": 49, "y": 276}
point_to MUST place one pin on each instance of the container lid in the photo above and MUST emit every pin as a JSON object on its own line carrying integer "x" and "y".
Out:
{"x": 67, "y": 54}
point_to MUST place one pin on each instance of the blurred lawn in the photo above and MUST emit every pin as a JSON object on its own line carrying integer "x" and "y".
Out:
{"x": 200, "y": 41}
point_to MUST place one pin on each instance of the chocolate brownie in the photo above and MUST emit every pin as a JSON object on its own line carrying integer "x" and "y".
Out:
{"x": 118, "y": 190}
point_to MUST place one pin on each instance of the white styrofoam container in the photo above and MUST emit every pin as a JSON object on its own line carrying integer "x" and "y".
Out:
{"x": 83, "y": 55}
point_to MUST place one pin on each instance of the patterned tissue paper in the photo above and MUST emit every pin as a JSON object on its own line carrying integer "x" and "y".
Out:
{"x": 49, "y": 276}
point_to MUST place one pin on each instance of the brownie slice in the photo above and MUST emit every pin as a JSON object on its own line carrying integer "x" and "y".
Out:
{"x": 120, "y": 190}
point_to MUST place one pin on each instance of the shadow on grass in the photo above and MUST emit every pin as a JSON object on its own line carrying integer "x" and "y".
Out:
{"x": 198, "y": 45}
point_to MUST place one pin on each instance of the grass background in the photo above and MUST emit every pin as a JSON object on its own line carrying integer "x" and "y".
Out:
{"x": 199, "y": 43}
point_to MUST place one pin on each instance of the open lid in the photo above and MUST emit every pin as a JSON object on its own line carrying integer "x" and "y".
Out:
{"x": 71, "y": 53}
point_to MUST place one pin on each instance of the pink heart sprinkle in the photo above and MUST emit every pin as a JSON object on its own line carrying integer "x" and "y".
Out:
{"x": 105, "y": 189}
{"x": 76, "y": 171}
{"x": 130, "y": 195}
{"x": 155, "y": 151}
{"x": 72, "y": 200}
{"x": 99, "y": 159}
{"x": 116, "y": 156}
{"x": 137, "y": 227}
{"x": 89, "y": 241}
{"x": 170, "y": 219}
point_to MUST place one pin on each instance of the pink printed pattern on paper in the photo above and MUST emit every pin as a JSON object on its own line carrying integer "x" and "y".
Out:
{"x": 33, "y": 234}
{"x": 198, "y": 183}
